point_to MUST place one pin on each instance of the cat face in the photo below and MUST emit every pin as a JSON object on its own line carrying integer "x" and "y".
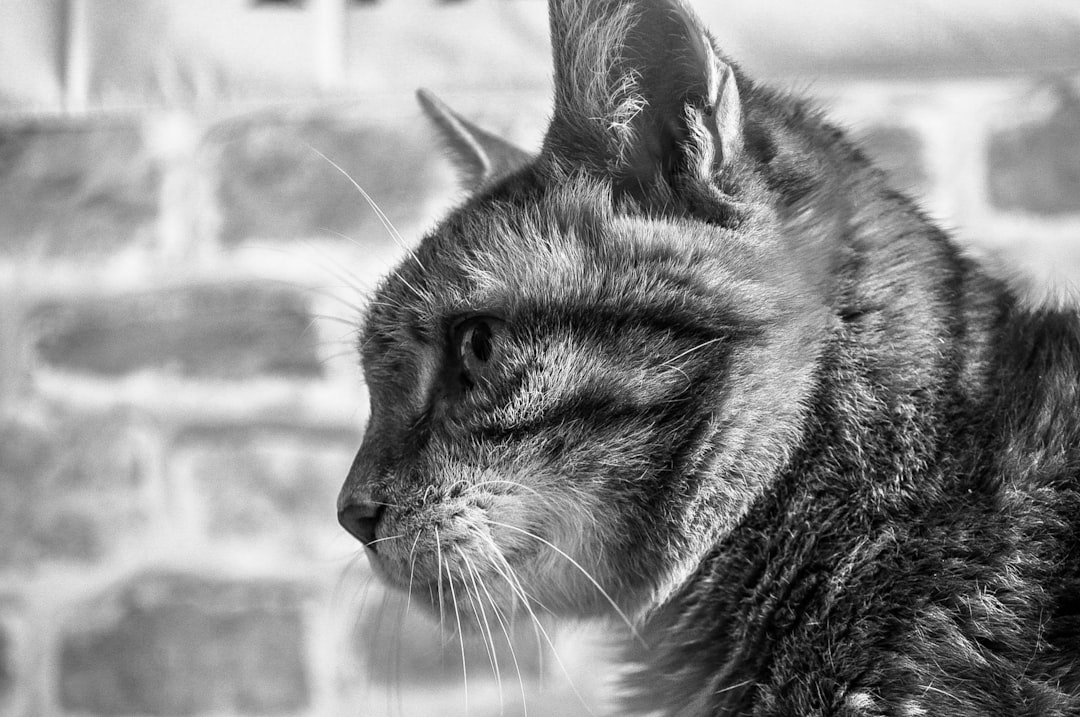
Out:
{"x": 584, "y": 375}
{"x": 565, "y": 409}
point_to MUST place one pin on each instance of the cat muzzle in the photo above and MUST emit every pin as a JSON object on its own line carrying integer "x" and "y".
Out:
{"x": 361, "y": 520}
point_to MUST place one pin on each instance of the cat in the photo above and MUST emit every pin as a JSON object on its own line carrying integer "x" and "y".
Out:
{"x": 696, "y": 366}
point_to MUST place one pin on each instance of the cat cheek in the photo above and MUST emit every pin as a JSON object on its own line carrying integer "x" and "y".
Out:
{"x": 442, "y": 535}
{"x": 571, "y": 566}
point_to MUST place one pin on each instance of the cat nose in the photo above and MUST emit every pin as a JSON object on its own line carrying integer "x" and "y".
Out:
{"x": 361, "y": 519}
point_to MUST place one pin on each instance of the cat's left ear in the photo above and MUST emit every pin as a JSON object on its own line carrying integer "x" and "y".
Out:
{"x": 641, "y": 91}
{"x": 478, "y": 155}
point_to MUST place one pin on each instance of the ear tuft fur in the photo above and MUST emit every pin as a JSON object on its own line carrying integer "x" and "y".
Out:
{"x": 595, "y": 97}
{"x": 641, "y": 92}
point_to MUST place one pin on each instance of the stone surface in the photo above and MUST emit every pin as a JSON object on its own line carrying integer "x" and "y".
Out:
{"x": 30, "y": 37}
{"x": 183, "y": 51}
{"x": 175, "y": 645}
{"x": 899, "y": 152}
{"x": 786, "y": 39}
{"x": 71, "y": 486}
{"x": 1036, "y": 167}
{"x": 268, "y": 483}
{"x": 504, "y": 43}
{"x": 75, "y": 190}
{"x": 235, "y": 330}
{"x": 7, "y": 664}
{"x": 274, "y": 185}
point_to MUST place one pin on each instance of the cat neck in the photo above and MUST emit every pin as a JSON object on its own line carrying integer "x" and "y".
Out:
{"x": 899, "y": 483}
{"x": 771, "y": 591}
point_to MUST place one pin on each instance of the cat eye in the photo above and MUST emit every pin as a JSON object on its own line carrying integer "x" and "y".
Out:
{"x": 477, "y": 346}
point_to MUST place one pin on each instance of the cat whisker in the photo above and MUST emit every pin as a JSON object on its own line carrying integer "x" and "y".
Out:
{"x": 363, "y": 596}
{"x": 354, "y": 560}
{"x": 457, "y": 619}
{"x": 348, "y": 277}
{"x": 335, "y": 319}
{"x": 439, "y": 582}
{"x": 684, "y": 374}
{"x": 383, "y": 219}
{"x": 353, "y": 282}
{"x": 618, "y": 610}
{"x": 332, "y": 347}
{"x": 339, "y": 340}
{"x": 385, "y": 504}
{"x": 375, "y": 302}
{"x": 357, "y": 601}
{"x": 419, "y": 294}
{"x": 938, "y": 690}
{"x": 330, "y": 293}
{"x": 511, "y": 483}
{"x": 398, "y": 653}
{"x": 383, "y": 540}
{"x": 376, "y": 627}
{"x": 506, "y": 632}
{"x": 689, "y": 351}
{"x": 503, "y": 568}
{"x": 352, "y": 275}
{"x": 736, "y": 686}
{"x": 412, "y": 571}
{"x": 326, "y": 359}
{"x": 364, "y": 298}
{"x": 482, "y": 621}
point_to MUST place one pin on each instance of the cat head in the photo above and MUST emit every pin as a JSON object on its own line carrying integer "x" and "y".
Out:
{"x": 581, "y": 378}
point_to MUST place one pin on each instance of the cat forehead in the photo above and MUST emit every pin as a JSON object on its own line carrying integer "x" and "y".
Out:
{"x": 501, "y": 263}
{"x": 564, "y": 244}
{"x": 504, "y": 243}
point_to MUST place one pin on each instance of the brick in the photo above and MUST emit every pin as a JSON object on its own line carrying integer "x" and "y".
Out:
{"x": 421, "y": 655}
{"x": 179, "y": 645}
{"x": 274, "y": 186}
{"x": 71, "y": 488}
{"x": 20, "y": 656}
{"x": 15, "y": 368}
{"x": 895, "y": 40}
{"x": 75, "y": 190}
{"x": 454, "y": 45}
{"x": 7, "y": 664}
{"x": 1036, "y": 167}
{"x": 29, "y": 44}
{"x": 171, "y": 52}
{"x": 227, "y": 331}
{"x": 281, "y": 485}
{"x": 898, "y": 151}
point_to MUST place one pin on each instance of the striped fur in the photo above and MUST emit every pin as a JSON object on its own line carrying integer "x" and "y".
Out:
{"x": 595, "y": 93}
{"x": 733, "y": 388}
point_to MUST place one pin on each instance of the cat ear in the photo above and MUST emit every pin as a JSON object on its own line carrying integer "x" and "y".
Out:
{"x": 641, "y": 91}
{"x": 477, "y": 154}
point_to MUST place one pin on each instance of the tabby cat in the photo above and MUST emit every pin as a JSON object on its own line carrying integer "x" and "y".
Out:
{"x": 696, "y": 365}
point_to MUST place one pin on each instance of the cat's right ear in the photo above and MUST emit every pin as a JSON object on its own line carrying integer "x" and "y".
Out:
{"x": 641, "y": 92}
{"x": 478, "y": 155}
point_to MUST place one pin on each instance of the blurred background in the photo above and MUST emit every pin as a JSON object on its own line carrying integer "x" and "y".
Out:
{"x": 181, "y": 268}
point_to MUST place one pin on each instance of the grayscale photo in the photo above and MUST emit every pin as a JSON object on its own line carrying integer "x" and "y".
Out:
{"x": 539, "y": 358}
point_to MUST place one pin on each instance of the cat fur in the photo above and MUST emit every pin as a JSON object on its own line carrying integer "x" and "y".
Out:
{"x": 742, "y": 392}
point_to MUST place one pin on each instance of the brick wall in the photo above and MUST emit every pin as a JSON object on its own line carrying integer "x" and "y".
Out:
{"x": 179, "y": 273}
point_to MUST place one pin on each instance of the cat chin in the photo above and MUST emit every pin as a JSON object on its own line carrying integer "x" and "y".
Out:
{"x": 467, "y": 601}
{"x": 529, "y": 585}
